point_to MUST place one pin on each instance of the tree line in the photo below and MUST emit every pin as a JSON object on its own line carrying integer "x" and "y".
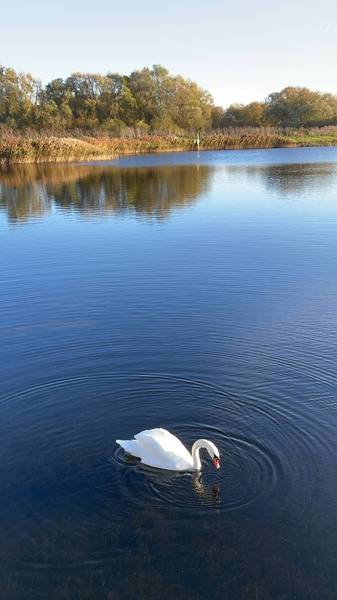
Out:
{"x": 150, "y": 100}
{"x": 291, "y": 107}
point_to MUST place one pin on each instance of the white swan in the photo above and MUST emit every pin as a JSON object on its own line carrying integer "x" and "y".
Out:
{"x": 159, "y": 448}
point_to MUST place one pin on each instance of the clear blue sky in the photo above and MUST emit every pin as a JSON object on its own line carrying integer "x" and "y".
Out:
{"x": 239, "y": 50}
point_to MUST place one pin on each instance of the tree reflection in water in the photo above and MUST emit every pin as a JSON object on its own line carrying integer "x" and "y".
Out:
{"x": 31, "y": 191}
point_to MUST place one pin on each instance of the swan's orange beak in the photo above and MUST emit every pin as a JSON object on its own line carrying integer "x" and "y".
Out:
{"x": 216, "y": 462}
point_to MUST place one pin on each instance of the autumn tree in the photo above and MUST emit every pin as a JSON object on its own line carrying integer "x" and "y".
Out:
{"x": 151, "y": 99}
{"x": 19, "y": 93}
{"x": 297, "y": 106}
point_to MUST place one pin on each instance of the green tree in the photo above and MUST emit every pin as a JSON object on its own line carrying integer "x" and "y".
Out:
{"x": 150, "y": 89}
{"x": 191, "y": 106}
{"x": 19, "y": 93}
{"x": 218, "y": 117}
{"x": 297, "y": 106}
{"x": 116, "y": 103}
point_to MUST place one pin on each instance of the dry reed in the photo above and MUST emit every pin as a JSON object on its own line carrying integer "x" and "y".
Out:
{"x": 34, "y": 147}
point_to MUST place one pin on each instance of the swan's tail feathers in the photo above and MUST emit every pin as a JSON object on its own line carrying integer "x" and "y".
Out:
{"x": 130, "y": 446}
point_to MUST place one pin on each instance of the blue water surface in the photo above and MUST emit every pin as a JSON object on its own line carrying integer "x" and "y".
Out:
{"x": 192, "y": 292}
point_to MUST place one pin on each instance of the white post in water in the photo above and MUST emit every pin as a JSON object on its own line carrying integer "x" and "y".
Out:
{"x": 198, "y": 140}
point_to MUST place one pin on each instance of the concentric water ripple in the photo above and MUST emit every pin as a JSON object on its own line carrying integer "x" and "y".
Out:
{"x": 248, "y": 471}
{"x": 61, "y": 460}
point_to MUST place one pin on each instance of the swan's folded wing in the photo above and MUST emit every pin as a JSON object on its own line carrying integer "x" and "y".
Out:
{"x": 159, "y": 448}
{"x": 158, "y": 432}
{"x": 165, "y": 439}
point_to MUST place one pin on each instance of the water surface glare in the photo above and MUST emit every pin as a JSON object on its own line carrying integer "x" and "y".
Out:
{"x": 196, "y": 293}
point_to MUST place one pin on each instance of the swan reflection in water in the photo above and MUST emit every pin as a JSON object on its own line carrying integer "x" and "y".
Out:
{"x": 202, "y": 490}
{"x": 175, "y": 485}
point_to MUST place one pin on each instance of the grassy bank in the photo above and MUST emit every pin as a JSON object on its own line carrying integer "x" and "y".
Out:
{"x": 33, "y": 147}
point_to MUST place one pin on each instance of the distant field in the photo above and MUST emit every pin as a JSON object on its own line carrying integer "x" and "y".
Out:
{"x": 42, "y": 147}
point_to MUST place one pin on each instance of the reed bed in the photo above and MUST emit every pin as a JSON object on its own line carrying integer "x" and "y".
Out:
{"x": 42, "y": 147}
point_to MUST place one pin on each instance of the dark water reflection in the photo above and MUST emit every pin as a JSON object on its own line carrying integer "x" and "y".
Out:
{"x": 290, "y": 178}
{"x": 32, "y": 190}
{"x": 199, "y": 295}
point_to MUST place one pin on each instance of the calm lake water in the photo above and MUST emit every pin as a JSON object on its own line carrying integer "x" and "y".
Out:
{"x": 193, "y": 293}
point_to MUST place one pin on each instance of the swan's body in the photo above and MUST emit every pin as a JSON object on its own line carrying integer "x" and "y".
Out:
{"x": 161, "y": 449}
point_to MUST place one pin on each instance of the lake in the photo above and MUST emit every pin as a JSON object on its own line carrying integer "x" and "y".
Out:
{"x": 195, "y": 293}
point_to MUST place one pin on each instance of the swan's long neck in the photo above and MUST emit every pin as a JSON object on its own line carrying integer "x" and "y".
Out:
{"x": 196, "y": 453}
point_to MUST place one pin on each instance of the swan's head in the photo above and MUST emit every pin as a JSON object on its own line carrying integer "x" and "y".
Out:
{"x": 211, "y": 449}
{"x": 214, "y": 454}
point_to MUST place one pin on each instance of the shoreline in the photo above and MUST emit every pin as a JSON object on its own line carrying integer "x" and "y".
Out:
{"x": 39, "y": 148}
